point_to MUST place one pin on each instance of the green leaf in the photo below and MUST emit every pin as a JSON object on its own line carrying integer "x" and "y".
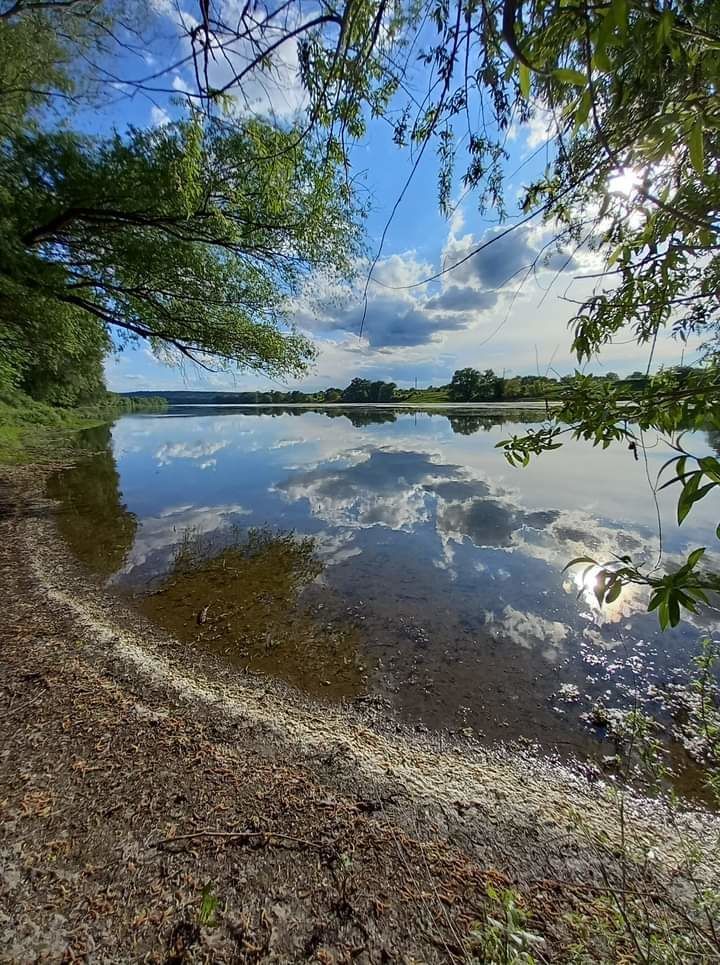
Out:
{"x": 581, "y": 559}
{"x": 583, "y": 110}
{"x": 614, "y": 592}
{"x": 711, "y": 467}
{"x": 619, "y": 9}
{"x": 664, "y": 28}
{"x": 686, "y": 601}
{"x": 614, "y": 255}
{"x": 524, "y": 78}
{"x": 687, "y": 496}
{"x": 570, "y": 76}
{"x": 703, "y": 491}
{"x": 656, "y": 599}
{"x": 601, "y": 60}
{"x": 696, "y": 146}
{"x": 694, "y": 557}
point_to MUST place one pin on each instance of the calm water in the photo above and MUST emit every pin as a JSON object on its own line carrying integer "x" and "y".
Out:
{"x": 383, "y": 552}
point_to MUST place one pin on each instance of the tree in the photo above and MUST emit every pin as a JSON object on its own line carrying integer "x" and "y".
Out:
{"x": 465, "y": 385}
{"x": 471, "y": 385}
{"x": 179, "y": 235}
{"x": 357, "y": 391}
{"x": 194, "y": 236}
{"x": 382, "y": 391}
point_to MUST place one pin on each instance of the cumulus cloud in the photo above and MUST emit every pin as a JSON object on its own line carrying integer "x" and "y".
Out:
{"x": 403, "y": 311}
{"x": 457, "y": 299}
{"x": 389, "y": 322}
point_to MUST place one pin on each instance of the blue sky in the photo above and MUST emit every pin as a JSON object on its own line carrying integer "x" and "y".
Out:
{"x": 491, "y": 313}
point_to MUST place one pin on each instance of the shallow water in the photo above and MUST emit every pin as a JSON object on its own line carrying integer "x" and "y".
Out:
{"x": 359, "y": 551}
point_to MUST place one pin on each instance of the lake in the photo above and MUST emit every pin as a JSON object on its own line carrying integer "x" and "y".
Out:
{"x": 376, "y": 552}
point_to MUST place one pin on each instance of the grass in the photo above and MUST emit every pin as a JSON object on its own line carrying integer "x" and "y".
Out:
{"x": 32, "y": 431}
{"x": 423, "y": 395}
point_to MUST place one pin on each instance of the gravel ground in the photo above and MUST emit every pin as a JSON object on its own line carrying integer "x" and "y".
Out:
{"x": 156, "y": 807}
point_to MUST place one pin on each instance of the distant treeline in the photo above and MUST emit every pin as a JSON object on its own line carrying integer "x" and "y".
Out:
{"x": 467, "y": 385}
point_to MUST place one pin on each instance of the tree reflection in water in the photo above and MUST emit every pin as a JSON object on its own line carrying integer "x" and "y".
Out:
{"x": 243, "y": 601}
{"x": 94, "y": 521}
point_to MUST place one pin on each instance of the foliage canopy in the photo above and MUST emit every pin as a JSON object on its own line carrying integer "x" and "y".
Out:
{"x": 193, "y": 235}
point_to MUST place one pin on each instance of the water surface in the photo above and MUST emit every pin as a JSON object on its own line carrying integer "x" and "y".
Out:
{"x": 365, "y": 551}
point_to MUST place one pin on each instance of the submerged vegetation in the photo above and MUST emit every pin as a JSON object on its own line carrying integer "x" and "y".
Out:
{"x": 240, "y": 598}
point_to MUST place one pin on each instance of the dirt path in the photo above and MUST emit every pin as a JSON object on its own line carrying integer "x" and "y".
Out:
{"x": 154, "y": 808}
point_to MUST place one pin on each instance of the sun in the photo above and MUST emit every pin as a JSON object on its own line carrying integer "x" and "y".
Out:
{"x": 624, "y": 181}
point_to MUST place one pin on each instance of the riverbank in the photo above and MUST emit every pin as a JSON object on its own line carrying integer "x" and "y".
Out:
{"x": 35, "y": 431}
{"x": 156, "y": 806}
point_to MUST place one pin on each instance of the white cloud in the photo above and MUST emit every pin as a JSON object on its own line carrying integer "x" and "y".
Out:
{"x": 273, "y": 90}
{"x": 526, "y": 630}
{"x": 180, "y": 84}
{"x": 186, "y": 450}
{"x": 158, "y": 116}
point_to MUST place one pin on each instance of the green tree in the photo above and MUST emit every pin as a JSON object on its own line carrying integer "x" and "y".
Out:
{"x": 382, "y": 391}
{"x": 357, "y": 391}
{"x": 194, "y": 236}
{"x": 465, "y": 385}
{"x": 180, "y": 235}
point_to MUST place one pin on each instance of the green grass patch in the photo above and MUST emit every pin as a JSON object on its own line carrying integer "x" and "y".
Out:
{"x": 32, "y": 431}
{"x": 422, "y": 395}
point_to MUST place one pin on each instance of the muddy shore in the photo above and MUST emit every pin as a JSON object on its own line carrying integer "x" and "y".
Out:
{"x": 156, "y": 806}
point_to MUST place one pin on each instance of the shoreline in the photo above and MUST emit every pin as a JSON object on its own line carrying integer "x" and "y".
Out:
{"x": 498, "y": 812}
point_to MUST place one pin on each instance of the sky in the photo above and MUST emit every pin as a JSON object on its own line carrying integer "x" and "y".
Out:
{"x": 492, "y": 312}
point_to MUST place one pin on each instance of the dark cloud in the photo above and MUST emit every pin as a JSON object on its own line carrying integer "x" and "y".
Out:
{"x": 389, "y": 322}
{"x": 504, "y": 257}
{"x": 465, "y": 299}
{"x": 560, "y": 261}
{"x": 485, "y": 521}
